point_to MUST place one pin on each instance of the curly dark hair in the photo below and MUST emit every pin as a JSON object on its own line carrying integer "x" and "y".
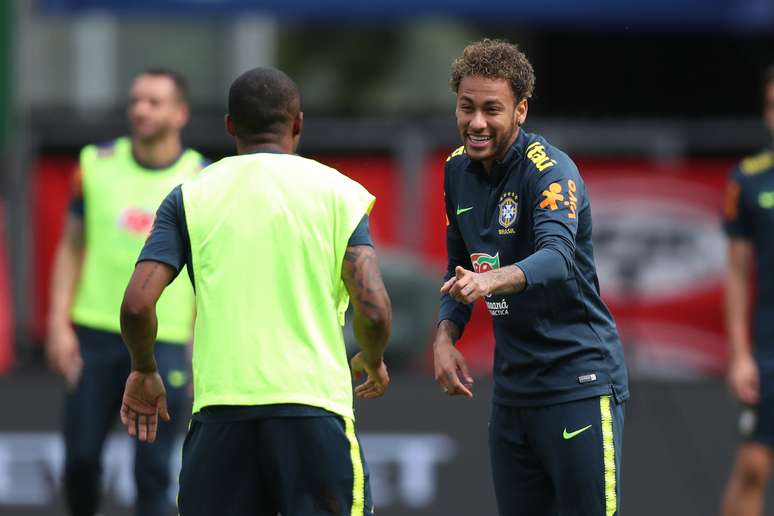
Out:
{"x": 495, "y": 59}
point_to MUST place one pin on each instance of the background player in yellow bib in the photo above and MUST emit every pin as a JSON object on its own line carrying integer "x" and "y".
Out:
{"x": 122, "y": 183}
{"x": 275, "y": 246}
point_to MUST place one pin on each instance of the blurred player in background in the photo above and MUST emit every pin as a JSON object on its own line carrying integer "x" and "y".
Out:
{"x": 749, "y": 226}
{"x": 122, "y": 183}
{"x": 519, "y": 237}
{"x": 275, "y": 246}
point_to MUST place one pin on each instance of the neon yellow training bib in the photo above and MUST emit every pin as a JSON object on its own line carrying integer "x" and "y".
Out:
{"x": 268, "y": 235}
{"x": 120, "y": 199}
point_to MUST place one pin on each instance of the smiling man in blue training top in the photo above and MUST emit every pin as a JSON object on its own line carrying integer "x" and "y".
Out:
{"x": 519, "y": 237}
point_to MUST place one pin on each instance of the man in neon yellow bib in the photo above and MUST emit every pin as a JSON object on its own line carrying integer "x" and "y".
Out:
{"x": 275, "y": 246}
{"x": 122, "y": 184}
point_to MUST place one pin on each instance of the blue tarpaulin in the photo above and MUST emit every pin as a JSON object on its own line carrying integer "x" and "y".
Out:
{"x": 636, "y": 14}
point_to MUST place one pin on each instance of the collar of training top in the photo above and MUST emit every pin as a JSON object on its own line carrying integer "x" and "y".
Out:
{"x": 500, "y": 166}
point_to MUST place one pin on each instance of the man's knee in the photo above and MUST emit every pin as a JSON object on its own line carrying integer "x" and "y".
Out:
{"x": 754, "y": 464}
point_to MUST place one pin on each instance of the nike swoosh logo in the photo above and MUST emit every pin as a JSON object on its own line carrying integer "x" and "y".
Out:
{"x": 460, "y": 211}
{"x": 570, "y": 435}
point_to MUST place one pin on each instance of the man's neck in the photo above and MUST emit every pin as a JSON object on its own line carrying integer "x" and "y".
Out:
{"x": 157, "y": 153}
{"x": 489, "y": 163}
{"x": 282, "y": 145}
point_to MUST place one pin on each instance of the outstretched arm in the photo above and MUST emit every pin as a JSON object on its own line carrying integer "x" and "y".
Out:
{"x": 138, "y": 312}
{"x": 373, "y": 317}
{"x": 144, "y": 395}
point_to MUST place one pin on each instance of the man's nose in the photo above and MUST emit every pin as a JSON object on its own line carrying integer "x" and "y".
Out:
{"x": 139, "y": 108}
{"x": 478, "y": 121}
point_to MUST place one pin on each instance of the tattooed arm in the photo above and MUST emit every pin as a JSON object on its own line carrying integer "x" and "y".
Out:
{"x": 138, "y": 311}
{"x": 145, "y": 399}
{"x": 373, "y": 317}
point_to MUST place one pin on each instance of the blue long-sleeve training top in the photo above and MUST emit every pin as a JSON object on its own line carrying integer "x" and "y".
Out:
{"x": 556, "y": 340}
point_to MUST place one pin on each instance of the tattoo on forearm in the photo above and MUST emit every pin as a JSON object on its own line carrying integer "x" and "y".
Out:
{"x": 508, "y": 280}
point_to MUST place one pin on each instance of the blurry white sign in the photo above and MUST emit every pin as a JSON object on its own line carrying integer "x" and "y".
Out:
{"x": 403, "y": 467}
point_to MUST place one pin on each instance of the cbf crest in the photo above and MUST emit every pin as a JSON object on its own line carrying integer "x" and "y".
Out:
{"x": 508, "y": 211}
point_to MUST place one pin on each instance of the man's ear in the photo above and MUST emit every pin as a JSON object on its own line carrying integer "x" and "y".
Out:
{"x": 298, "y": 124}
{"x": 521, "y": 112}
{"x": 183, "y": 115}
{"x": 229, "y": 122}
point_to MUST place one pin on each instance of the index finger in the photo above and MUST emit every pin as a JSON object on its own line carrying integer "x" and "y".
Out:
{"x": 448, "y": 285}
{"x": 455, "y": 386}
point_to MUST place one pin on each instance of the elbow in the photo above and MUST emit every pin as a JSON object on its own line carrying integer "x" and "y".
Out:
{"x": 563, "y": 272}
{"x": 134, "y": 308}
{"x": 377, "y": 316}
{"x": 563, "y": 263}
{"x": 379, "y": 319}
{"x": 549, "y": 265}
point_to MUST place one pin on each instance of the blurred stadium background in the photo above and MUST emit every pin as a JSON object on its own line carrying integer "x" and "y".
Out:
{"x": 655, "y": 99}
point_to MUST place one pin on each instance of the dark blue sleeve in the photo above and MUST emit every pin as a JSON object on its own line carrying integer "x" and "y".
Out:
{"x": 737, "y": 222}
{"x": 167, "y": 242}
{"x": 361, "y": 235}
{"x": 558, "y": 195}
{"x": 457, "y": 252}
{"x": 76, "y": 206}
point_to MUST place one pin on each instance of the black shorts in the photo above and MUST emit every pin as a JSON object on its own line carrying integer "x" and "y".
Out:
{"x": 296, "y": 466}
{"x": 756, "y": 422}
{"x": 559, "y": 459}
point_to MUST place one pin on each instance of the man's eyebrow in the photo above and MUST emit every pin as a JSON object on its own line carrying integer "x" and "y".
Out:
{"x": 487, "y": 102}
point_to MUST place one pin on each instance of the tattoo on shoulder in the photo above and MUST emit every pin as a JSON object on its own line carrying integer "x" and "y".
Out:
{"x": 149, "y": 276}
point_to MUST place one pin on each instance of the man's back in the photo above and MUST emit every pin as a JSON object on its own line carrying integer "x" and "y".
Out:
{"x": 268, "y": 234}
{"x": 277, "y": 244}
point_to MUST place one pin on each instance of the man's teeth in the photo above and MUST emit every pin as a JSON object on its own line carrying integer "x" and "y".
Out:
{"x": 479, "y": 139}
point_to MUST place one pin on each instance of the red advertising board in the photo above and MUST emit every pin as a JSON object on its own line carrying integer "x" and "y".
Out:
{"x": 659, "y": 250}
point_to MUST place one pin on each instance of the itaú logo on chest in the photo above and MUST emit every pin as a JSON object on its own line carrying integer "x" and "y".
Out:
{"x": 136, "y": 220}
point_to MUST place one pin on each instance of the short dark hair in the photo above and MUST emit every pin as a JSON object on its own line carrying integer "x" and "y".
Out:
{"x": 263, "y": 101}
{"x": 495, "y": 59}
{"x": 180, "y": 82}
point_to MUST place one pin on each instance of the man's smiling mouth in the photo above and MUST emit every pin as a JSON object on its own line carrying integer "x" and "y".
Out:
{"x": 479, "y": 139}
